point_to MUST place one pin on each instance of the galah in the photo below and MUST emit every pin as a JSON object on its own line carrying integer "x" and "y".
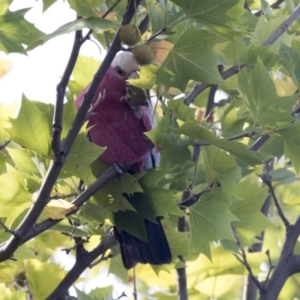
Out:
{"x": 119, "y": 125}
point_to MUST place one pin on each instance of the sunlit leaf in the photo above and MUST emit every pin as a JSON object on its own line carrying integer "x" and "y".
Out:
{"x": 15, "y": 199}
{"x": 7, "y": 294}
{"x": 147, "y": 75}
{"x": 58, "y": 208}
{"x": 31, "y": 128}
{"x": 16, "y": 31}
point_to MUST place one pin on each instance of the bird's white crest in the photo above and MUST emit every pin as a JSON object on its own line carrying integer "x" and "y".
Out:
{"x": 126, "y": 61}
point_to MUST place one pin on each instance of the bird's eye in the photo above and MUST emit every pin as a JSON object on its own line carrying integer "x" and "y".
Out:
{"x": 120, "y": 71}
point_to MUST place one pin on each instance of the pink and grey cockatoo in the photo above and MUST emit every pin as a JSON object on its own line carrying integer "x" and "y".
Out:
{"x": 119, "y": 125}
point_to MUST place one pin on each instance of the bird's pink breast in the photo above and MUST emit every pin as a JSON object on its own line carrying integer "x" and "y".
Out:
{"x": 115, "y": 126}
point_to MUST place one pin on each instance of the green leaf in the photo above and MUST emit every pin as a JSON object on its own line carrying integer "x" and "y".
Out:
{"x": 234, "y": 118}
{"x": 156, "y": 14}
{"x": 163, "y": 199}
{"x": 180, "y": 110}
{"x": 193, "y": 130}
{"x": 220, "y": 167}
{"x": 82, "y": 154}
{"x": 14, "y": 197}
{"x": 155, "y": 201}
{"x": 104, "y": 292}
{"x": 7, "y": 294}
{"x": 94, "y": 212}
{"x": 210, "y": 221}
{"x": 37, "y": 271}
{"x": 147, "y": 76}
{"x": 4, "y": 4}
{"x": 173, "y": 150}
{"x": 31, "y": 128}
{"x": 191, "y": 58}
{"x": 132, "y": 223}
{"x": 83, "y": 73}
{"x": 268, "y": 58}
{"x": 291, "y": 60}
{"x": 274, "y": 146}
{"x": 23, "y": 252}
{"x": 24, "y": 160}
{"x": 86, "y": 8}
{"x": 291, "y": 137}
{"x": 235, "y": 53}
{"x": 265, "y": 28}
{"x": 218, "y": 14}
{"x": 116, "y": 267}
{"x": 284, "y": 176}
{"x": 16, "y": 31}
{"x": 6, "y": 112}
{"x": 248, "y": 210}
{"x": 178, "y": 241}
{"x": 81, "y": 295}
{"x": 259, "y": 93}
{"x": 96, "y": 24}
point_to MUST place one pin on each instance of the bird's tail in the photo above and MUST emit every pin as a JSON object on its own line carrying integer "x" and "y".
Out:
{"x": 134, "y": 250}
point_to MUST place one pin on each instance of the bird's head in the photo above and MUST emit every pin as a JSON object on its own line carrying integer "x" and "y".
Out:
{"x": 125, "y": 65}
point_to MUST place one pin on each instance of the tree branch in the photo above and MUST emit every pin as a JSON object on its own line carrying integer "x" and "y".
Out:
{"x": 242, "y": 258}
{"x": 267, "y": 179}
{"x": 287, "y": 265}
{"x": 79, "y": 201}
{"x": 59, "y": 155}
{"x": 251, "y": 288}
{"x": 181, "y": 272}
{"x": 83, "y": 260}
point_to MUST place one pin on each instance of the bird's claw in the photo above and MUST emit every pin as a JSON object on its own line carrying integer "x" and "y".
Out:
{"x": 119, "y": 169}
{"x": 135, "y": 97}
{"x": 94, "y": 105}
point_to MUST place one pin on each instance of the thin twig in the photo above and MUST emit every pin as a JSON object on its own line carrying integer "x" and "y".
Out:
{"x": 101, "y": 259}
{"x": 59, "y": 155}
{"x": 267, "y": 179}
{"x": 251, "y": 289}
{"x": 7, "y": 229}
{"x": 5, "y": 143}
{"x": 134, "y": 284}
{"x": 181, "y": 272}
{"x": 249, "y": 134}
{"x": 242, "y": 258}
{"x": 56, "y": 197}
{"x": 271, "y": 267}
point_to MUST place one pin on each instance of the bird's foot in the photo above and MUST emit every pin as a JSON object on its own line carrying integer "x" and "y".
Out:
{"x": 119, "y": 169}
{"x": 135, "y": 97}
{"x": 94, "y": 105}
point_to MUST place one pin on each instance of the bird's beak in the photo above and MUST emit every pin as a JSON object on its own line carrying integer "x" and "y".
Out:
{"x": 133, "y": 75}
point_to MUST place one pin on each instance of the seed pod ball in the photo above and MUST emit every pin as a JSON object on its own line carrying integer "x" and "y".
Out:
{"x": 130, "y": 35}
{"x": 144, "y": 54}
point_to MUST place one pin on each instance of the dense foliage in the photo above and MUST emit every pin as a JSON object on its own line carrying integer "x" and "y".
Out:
{"x": 227, "y": 185}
